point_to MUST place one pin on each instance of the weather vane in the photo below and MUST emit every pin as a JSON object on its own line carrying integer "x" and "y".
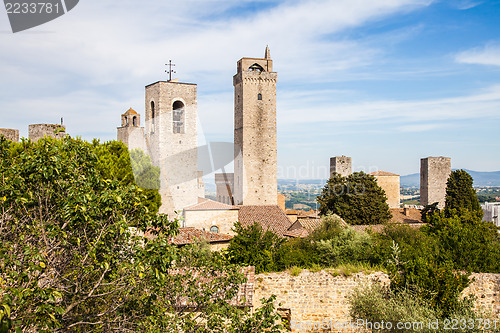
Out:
{"x": 170, "y": 71}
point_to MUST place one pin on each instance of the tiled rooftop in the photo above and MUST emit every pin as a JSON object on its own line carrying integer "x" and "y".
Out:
{"x": 207, "y": 204}
{"x": 270, "y": 218}
{"x": 191, "y": 235}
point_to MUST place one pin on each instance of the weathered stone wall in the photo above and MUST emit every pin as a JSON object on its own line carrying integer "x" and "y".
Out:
{"x": 225, "y": 187}
{"x": 341, "y": 165}
{"x": 38, "y": 131}
{"x": 10, "y": 134}
{"x": 255, "y": 168}
{"x": 316, "y": 297}
{"x": 204, "y": 219}
{"x": 175, "y": 153}
{"x": 486, "y": 289}
{"x": 390, "y": 184}
{"x": 434, "y": 173}
{"x": 312, "y": 297}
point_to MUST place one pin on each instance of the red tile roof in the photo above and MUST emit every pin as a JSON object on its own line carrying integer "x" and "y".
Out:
{"x": 207, "y": 204}
{"x": 383, "y": 173}
{"x": 191, "y": 235}
{"x": 270, "y": 218}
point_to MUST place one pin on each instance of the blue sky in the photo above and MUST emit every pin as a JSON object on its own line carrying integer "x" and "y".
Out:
{"x": 383, "y": 81}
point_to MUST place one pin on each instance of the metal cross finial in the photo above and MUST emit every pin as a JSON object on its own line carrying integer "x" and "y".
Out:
{"x": 170, "y": 71}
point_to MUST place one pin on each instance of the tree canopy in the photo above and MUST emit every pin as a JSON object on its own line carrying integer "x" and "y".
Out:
{"x": 71, "y": 262}
{"x": 461, "y": 195}
{"x": 356, "y": 198}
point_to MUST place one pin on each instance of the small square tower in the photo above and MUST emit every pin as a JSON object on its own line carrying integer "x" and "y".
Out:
{"x": 131, "y": 133}
{"x": 434, "y": 173}
{"x": 340, "y": 165}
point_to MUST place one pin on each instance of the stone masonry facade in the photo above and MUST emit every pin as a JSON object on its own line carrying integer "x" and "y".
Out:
{"x": 172, "y": 141}
{"x": 38, "y": 131}
{"x": 341, "y": 165}
{"x": 434, "y": 173}
{"x": 313, "y": 297}
{"x": 255, "y": 136}
{"x": 10, "y": 134}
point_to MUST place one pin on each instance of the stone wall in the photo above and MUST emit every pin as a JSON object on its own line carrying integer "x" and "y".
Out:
{"x": 341, "y": 165}
{"x": 390, "y": 185}
{"x": 38, "y": 131}
{"x": 10, "y": 134}
{"x": 434, "y": 173}
{"x": 205, "y": 219}
{"x": 255, "y": 136}
{"x": 314, "y": 297}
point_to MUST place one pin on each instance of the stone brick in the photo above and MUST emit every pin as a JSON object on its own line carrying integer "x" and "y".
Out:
{"x": 38, "y": 131}
{"x": 10, "y": 134}
{"x": 434, "y": 173}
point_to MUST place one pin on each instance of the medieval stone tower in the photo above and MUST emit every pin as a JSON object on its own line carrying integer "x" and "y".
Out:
{"x": 434, "y": 173}
{"x": 340, "y": 165}
{"x": 255, "y": 164}
{"x": 171, "y": 138}
{"x": 131, "y": 133}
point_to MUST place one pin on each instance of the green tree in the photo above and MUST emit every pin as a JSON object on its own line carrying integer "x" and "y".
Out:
{"x": 461, "y": 195}
{"x": 116, "y": 163}
{"x": 71, "y": 262}
{"x": 252, "y": 246}
{"x": 356, "y": 198}
{"x": 467, "y": 241}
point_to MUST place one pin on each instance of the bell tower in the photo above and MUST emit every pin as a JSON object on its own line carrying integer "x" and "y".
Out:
{"x": 255, "y": 138}
{"x": 172, "y": 139}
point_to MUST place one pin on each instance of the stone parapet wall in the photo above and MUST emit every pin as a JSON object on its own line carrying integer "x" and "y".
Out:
{"x": 10, "y": 134}
{"x": 316, "y": 297}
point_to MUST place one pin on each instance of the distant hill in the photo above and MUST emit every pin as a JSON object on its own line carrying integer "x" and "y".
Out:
{"x": 480, "y": 179}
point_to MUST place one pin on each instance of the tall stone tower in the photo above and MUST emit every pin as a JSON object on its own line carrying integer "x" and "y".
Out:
{"x": 340, "y": 165}
{"x": 131, "y": 133}
{"x": 434, "y": 173}
{"x": 255, "y": 140}
{"x": 171, "y": 137}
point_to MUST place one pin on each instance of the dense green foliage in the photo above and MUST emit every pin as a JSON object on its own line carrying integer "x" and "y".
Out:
{"x": 376, "y": 304}
{"x": 116, "y": 163}
{"x": 70, "y": 262}
{"x": 460, "y": 195}
{"x": 356, "y": 198}
{"x": 253, "y": 246}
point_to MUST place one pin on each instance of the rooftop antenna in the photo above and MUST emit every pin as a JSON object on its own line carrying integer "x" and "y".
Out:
{"x": 170, "y": 71}
{"x": 62, "y": 122}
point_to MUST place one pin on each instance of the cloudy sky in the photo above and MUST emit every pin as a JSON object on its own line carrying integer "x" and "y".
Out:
{"x": 384, "y": 81}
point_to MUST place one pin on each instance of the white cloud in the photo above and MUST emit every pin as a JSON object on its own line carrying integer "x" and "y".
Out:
{"x": 481, "y": 104}
{"x": 488, "y": 55}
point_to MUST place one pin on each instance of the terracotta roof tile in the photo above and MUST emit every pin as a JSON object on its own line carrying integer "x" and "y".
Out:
{"x": 270, "y": 218}
{"x": 130, "y": 111}
{"x": 207, "y": 204}
{"x": 383, "y": 173}
{"x": 191, "y": 235}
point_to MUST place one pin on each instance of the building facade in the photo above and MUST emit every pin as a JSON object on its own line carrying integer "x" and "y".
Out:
{"x": 255, "y": 137}
{"x": 389, "y": 182}
{"x": 341, "y": 165}
{"x": 434, "y": 173}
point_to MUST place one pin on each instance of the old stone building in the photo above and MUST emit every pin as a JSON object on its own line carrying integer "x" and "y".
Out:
{"x": 10, "y": 134}
{"x": 172, "y": 141}
{"x": 225, "y": 187}
{"x": 255, "y": 138}
{"x": 341, "y": 165}
{"x": 38, "y": 131}
{"x": 389, "y": 182}
{"x": 434, "y": 173}
{"x": 131, "y": 133}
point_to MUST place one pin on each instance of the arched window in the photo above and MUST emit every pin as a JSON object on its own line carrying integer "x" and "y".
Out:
{"x": 215, "y": 229}
{"x": 153, "y": 114}
{"x": 134, "y": 121}
{"x": 259, "y": 97}
{"x": 178, "y": 117}
{"x": 220, "y": 200}
{"x": 223, "y": 199}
